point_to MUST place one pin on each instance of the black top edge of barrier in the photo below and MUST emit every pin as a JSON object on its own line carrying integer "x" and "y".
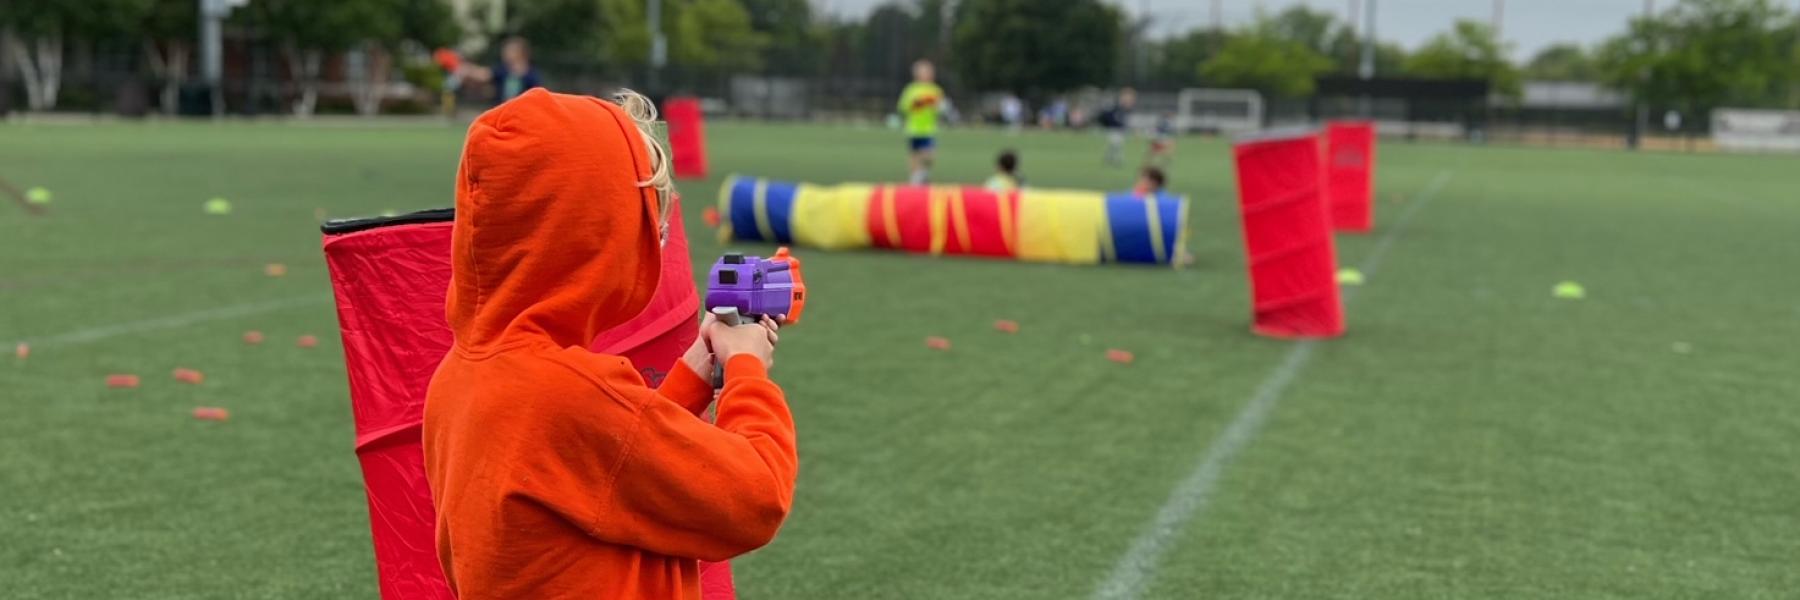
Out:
{"x": 353, "y": 225}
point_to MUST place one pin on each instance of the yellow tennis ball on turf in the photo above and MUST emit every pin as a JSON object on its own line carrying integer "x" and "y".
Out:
{"x": 217, "y": 206}
{"x": 1349, "y": 277}
{"x": 37, "y": 195}
{"x": 1569, "y": 290}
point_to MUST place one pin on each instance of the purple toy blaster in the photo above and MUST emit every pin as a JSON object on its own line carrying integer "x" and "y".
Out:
{"x": 746, "y": 289}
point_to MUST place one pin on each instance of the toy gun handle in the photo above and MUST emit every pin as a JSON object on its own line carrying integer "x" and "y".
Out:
{"x": 729, "y": 316}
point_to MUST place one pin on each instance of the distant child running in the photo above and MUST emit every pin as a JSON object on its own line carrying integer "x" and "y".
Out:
{"x": 557, "y": 472}
{"x": 1162, "y": 143}
{"x": 515, "y": 74}
{"x": 1117, "y": 121}
{"x": 921, "y": 102}
{"x": 1006, "y": 173}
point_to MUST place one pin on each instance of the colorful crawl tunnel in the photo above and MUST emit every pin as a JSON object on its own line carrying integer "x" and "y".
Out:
{"x": 1038, "y": 225}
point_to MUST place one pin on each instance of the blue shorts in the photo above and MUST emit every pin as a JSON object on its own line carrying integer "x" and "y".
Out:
{"x": 921, "y": 143}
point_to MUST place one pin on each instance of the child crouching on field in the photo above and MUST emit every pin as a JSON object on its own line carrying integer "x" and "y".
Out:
{"x": 556, "y": 472}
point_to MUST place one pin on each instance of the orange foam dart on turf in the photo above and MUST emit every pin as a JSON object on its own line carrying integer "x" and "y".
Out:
{"x": 307, "y": 341}
{"x": 253, "y": 337}
{"x": 710, "y": 216}
{"x": 1119, "y": 356}
{"x": 210, "y": 413}
{"x": 275, "y": 269}
{"x": 189, "y": 376}
{"x": 121, "y": 381}
{"x": 1006, "y": 326}
{"x": 937, "y": 343}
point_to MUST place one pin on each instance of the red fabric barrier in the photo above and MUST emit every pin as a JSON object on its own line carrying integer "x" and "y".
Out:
{"x": 1350, "y": 168}
{"x": 687, "y": 136}
{"x": 390, "y": 284}
{"x": 1287, "y": 237}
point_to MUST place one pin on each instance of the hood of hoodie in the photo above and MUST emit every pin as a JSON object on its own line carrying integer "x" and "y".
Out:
{"x": 554, "y": 240}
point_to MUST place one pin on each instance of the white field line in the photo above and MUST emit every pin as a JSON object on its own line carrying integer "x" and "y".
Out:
{"x": 94, "y": 334}
{"x": 1135, "y": 569}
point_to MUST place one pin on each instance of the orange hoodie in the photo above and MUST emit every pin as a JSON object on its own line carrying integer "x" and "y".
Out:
{"x": 555, "y": 471}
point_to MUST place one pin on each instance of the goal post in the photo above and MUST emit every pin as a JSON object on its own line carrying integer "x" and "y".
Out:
{"x": 1218, "y": 110}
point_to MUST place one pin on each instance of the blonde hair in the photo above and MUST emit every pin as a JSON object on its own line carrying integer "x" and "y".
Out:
{"x": 643, "y": 114}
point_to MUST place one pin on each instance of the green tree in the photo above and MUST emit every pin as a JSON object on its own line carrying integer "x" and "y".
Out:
{"x": 168, "y": 28}
{"x": 568, "y": 28}
{"x": 307, "y": 31}
{"x": 1262, "y": 60}
{"x": 1308, "y": 27}
{"x": 1035, "y": 48}
{"x": 1470, "y": 50}
{"x": 1345, "y": 50}
{"x": 36, "y": 31}
{"x": 1175, "y": 62}
{"x": 796, "y": 46}
{"x": 1703, "y": 54}
{"x": 1562, "y": 62}
{"x": 716, "y": 35}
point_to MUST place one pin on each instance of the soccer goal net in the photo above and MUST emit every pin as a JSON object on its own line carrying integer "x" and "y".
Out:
{"x": 1219, "y": 110}
{"x": 1749, "y": 130}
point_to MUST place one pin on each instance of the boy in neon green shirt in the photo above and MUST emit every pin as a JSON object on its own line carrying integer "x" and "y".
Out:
{"x": 920, "y": 103}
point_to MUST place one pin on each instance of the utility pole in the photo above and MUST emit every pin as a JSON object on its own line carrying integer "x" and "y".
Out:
{"x": 1366, "y": 70}
{"x": 1218, "y": 15}
{"x": 212, "y": 48}
{"x": 1499, "y": 18}
{"x": 1643, "y": 106}
{"x": 659, "y": 46}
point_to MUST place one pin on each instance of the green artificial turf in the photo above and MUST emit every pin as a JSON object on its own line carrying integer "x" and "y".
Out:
{"x": 1471, "y": 437}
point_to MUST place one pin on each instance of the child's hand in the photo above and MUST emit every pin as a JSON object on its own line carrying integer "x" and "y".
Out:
{"x": 699, "y": 356}
{"x": 755, "y": 340}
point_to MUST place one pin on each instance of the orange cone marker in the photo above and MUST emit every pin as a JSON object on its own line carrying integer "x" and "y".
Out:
{"x": 189, "y": 376}
{"x": 253, "y": 337}
{"x": 121, "y": 381}
{"x": 22, "y": 351}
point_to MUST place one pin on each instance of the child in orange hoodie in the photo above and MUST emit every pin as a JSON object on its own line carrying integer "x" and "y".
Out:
{"x": 556, "y": 472}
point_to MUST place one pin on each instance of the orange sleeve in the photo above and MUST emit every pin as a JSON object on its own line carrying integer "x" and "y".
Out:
{"x": 687, "y": 388}
{"x": 707, "y": 491}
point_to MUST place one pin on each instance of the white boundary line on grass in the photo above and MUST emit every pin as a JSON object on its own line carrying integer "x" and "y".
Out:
{"x": 1137, "y": 567}
{"x": 94, "y": 334}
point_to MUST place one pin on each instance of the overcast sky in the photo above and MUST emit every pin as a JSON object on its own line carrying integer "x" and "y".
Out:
{"x": 1529, "y": 25}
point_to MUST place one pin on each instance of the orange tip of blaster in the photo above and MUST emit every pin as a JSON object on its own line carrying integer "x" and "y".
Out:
{"x": 799, "y": 304}
{"x": 209, "y": 413}
{"x": 121, "y": 381}
{"x": 937, "y": 343}
{"x": 189, "y": 376}
{"x": 253, "y": 337}
{"x": 1006, "y": 326}
{"x": 306, "y": 341}
{"x": 1119, "y": 356}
